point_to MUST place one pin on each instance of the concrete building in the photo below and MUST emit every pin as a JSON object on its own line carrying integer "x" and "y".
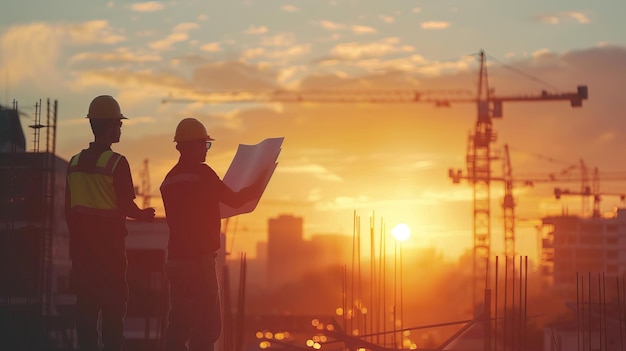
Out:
{"x": 572, "y": 245}
{"x": 284, "y": 249}
{"x": 289, "y": 256}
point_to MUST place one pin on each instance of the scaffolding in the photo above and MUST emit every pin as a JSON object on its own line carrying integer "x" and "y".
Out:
{"x": 28, "y": 213}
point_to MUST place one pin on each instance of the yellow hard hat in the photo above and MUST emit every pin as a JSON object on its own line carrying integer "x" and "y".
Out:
{"x": 105, "y": 107}
{"x": 190, "y": 129}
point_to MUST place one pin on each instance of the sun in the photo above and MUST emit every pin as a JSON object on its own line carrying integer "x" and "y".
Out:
{"x": 401, "y": 232}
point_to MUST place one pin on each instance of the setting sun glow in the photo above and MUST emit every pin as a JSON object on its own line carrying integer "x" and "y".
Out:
{"x": 401, "y": 232}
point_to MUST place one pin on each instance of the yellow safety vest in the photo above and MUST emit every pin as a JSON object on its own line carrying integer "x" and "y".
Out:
{"x": 92, "y": 191}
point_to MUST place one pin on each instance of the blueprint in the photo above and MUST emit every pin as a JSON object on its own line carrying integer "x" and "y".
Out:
{"x": 250, "y": 163}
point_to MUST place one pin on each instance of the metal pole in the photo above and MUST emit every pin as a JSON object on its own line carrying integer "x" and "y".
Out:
{"x": 495, "y": 332}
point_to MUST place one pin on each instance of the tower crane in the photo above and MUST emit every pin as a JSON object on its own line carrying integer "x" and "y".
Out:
{"x": 479, "y": 155}
{"x": 587, "y": 191}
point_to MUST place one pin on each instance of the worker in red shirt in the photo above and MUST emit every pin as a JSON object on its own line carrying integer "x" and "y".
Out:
{"x": 192, "y": 193}
{"x": 99, "y": 196}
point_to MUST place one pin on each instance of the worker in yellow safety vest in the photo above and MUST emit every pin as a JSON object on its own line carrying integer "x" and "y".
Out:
{"x": 192, "y": 193}
{"x": 99, "y": 196}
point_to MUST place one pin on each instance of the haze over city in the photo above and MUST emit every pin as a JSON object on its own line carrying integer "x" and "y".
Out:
{"x": 387, "y": 161}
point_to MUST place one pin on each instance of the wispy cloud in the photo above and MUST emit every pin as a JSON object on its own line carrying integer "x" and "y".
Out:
{"x": 290, "y": 52}
{"x": 119, "y": 55}
{"x": 281, "y": 39}
{"x": 211, "y": 47}
{"x": 363, "y": 30}
{"x": 542, "y": 53}
{"x": 148, "y": 6}
{"x": 167, "y": 42}
{"x": 387, "y": 19}
{"x": 253, "y": 53}
{"x": 179, "y": 34}
{"x": 185, "y": 27}
{"x": 256, "y": 30}
{"x": 356, "y": 29}
{"x": 331, "y": 25}
{"x": 289, "y": 8}
{"x": 354, "y": 51}
{"x": 316, "y": 170}
{"x": 286, "y": 74}
{"x": 435, "y": 25}
{"x": 580, "y": 17}
{"x": 560, "y": 17}
{"x": 147, "y": 80}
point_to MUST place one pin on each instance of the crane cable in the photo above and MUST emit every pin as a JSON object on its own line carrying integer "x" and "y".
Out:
{"x": 524, "y": 74}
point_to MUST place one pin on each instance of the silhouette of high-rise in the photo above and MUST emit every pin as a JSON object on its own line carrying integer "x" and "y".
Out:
{"x": 284, "y": 249}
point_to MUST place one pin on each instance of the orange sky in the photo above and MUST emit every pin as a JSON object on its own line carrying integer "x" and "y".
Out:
{"x": 392, "y": 160}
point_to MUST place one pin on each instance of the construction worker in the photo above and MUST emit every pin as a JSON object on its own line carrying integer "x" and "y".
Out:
{"x": 99, "y": 196}
{"x": 192, "y": 193}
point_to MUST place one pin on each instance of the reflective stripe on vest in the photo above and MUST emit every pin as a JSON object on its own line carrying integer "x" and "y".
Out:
{"x": 180, "y": 178}
{"x": 92, "y": 191}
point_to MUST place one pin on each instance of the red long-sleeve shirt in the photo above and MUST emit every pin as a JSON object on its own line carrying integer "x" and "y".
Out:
{"x": 192, "y": 193}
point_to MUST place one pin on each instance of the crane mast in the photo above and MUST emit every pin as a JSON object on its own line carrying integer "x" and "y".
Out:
{"x": 479, "y": 168}
{"x": 508, "y": 205}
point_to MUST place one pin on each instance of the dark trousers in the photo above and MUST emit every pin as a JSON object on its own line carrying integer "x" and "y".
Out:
{"x": 99, "y": 280}
{"x": 195, "y": 321}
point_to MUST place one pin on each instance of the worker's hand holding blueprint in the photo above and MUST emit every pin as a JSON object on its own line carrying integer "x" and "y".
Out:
{"x": 250, "y": 163}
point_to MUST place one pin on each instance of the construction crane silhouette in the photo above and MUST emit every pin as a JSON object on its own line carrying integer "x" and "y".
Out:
{"x": 144, "y": 189}
{"x": 593, "y": 191}
{"x": 479, "y": 153}
{"x": 564, "y": 176}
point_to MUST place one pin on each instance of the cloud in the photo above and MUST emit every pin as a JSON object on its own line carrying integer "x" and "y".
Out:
{"x": 354, "y": 51}
{"x": 289, "y": 8}
{"x": 556, "y": 18}
{"x": 148, "y": 6}
{"x": 363, "y": 30}
{"x": 580, "y": 17}
{"x": 91, "y": 32}
{"x": 179, "y": 34}
{"x": 290, "y": 52}
{"x": 256, "y": 30}
{"x": 253, "y": 53}
{"x": 120, "y": 55}
{"x": 211, "y": 47}
{"x": 233, "y": 75}
{"x": 356, "y": 29}
{"x": 185, "y": 27}
{"x": 416, "y": 10}
{"x": 435, "y": 25}
{"x": 287, "y": 73}
{"x": 281, "y": 39}
{"x": 31, "y": 51}
{"x": 312, "y": 169}
{"x": 167, "y": 42}
{"x": 542, "y": 53}
{"x": 332, "y": 25}
{"x": 124, "y": 78}
{"x": 387, "y": 19}
{"x": 463, "y": 195}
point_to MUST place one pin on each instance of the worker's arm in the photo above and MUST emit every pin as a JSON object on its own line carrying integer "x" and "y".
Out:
{"x": 125, "y": 192}
{"x": 130, "y": 209}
